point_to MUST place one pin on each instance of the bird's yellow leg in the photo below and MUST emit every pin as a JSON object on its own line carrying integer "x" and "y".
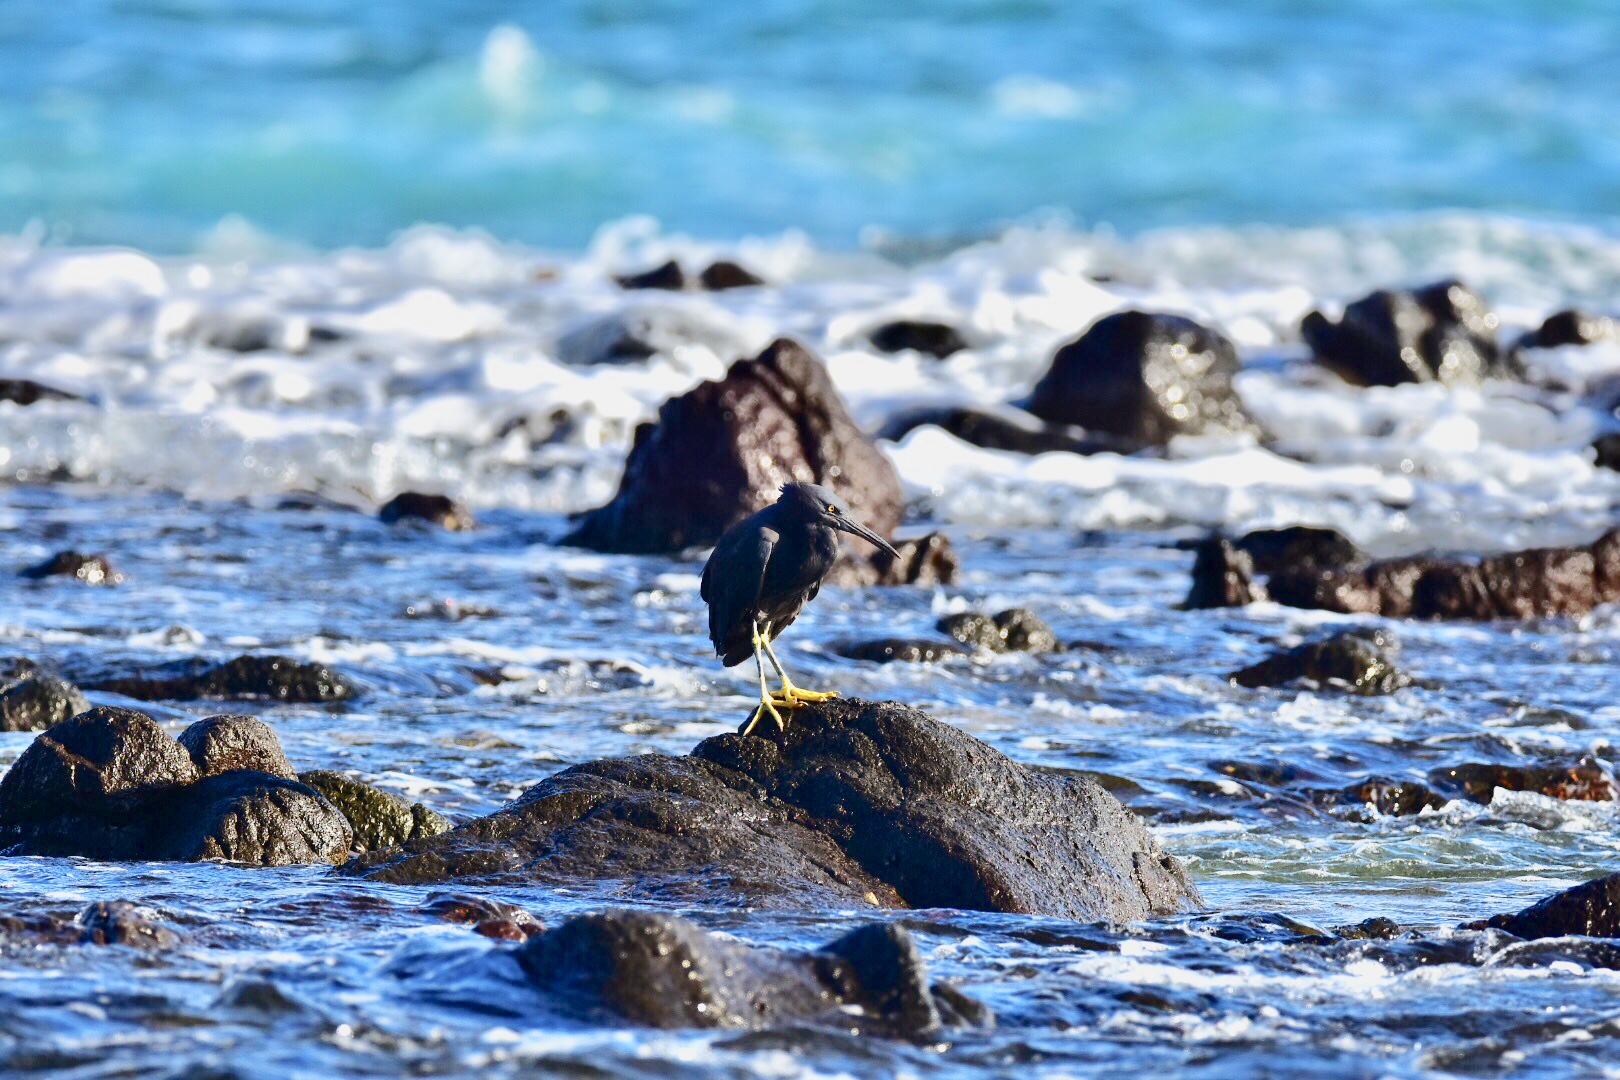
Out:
{"x": 795, "y": 694}
{"x": 768, "y": 705}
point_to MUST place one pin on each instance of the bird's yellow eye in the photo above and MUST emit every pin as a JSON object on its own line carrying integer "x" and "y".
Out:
{"x": 831, "y": 509}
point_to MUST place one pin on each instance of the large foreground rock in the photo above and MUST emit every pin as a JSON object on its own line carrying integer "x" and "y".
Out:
{"x": 1143, "y": 377}
{"x": 111, "y": 784}
{"x": 857, "y": 803}
{"x": 660, "y": 971}
{"x": 723, "y": 450}
{"x": 1443, "y": 332}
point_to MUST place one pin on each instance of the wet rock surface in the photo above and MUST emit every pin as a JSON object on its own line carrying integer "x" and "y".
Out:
{"x": 1013, "y": 630}
{"x": 723, "y": 274}
{"x": 379, "y": 820}
{"x": 1361, "y": 662}
{"x": 220, "y": 744}
{"x": 901, "y": 650}
{"x": 930, "y": 338}
{"x": 112, "y": 784}
{"x": 724, "y": 449}
{"x": 440, "y": 510}
{"x": 36, "y": 701}
{"x": 1590, "y": 910}
{"x": 122, "y": 922}
{"x": 1006, "y": 428}
{"x": 490, "y": 918}
{"x": 90, "y": 569}
{"x": 1143, "y": 377}
{"x": 1478, "y": 781}
{"x": 925, "y": 560}
{"x": 246, "y": 678}
{"x": 1222, "y": 576}
{"x": 661, "y": 971}
{"x": 857, "y": 802}
{"x": 1443, "y": 332}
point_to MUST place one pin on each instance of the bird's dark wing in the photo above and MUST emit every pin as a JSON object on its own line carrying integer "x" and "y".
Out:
{"x": 732, "y": 579}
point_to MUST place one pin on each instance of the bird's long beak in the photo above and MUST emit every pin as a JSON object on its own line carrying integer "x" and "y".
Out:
{"x": 855, "y": 528}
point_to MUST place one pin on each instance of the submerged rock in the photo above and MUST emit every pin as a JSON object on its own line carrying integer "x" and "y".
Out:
{"x": 1584, "y": 781}
{"x": 38, "y": 701}
{"x": 1013, "y": 630}
{"x": 440, "y": 510}
{"x": 121, "y": 922}
{"x": 111, "y": 784}
{"x": 246, "y": 678}
{"x": 1589, "y": 910}
{"x": 902, "y": 650}
{"x": 723, "y": 450}
{"x": 1358, "y": 661}
{"x": 1005, "y": 428}
{"x": 668, "y": 276}
{"x": 1144, "y": 377}
{"x": 1394, "y": 798}
{"x": 1222, "y": 576}
{"x": 932, "y": 338}
{"x": 661, "y": 971}
{"x": 90, "y": 569}
{"x": 1443, "y": 332}
{"x": 491, "y": 918}
{"x": 724, "y": 274}
{"x": 379, "y": 820}
{"x": 857, "y": 803}
{"x": 29, "y": 392}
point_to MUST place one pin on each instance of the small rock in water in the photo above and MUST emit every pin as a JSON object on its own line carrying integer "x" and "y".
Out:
{"x": 1222, "y": 576}
{"x": 1005, "y": 427}
{"x": 1586, "y": 781}
{"x": 1358, "y": 661}
{"x": 222, "y": 744}
{"x": 90, "y": 569}
{"x": 120, "y": 922}
{"x": 380, "y": 820}
{"x": 661, "y": 971}
{"x": 1591, "y": 910}
{"x": 904, "y": 650}
{"x": 1570, "y": 327}
{"x": 38, "y": 701}
{"x": 246, "y": 678}
{"x": 932, "y": 338}
{"x": 1393, "y": 798}
{"x": 1299, "y": 547}
{"x": 1013, "y": 630}
{"x": 29, "y": 392}
{"x": 1443, "y": 332}
{"x": 724, "y": 274}
{"x": 449, "y": 610}
{"x": 1144, "y": 377}
{"x": 927, "y": 560}
{"x": 440, "y": 510}
{"x": 491, "y": 918}
{"x": 668, "y": 276}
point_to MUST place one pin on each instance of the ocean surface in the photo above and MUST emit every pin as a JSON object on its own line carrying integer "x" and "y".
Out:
{"x": 296, "y": 257}
{"x": 330, "y": 123}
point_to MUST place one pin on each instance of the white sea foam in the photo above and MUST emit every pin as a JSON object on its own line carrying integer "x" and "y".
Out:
{"x": 449, "y": 360}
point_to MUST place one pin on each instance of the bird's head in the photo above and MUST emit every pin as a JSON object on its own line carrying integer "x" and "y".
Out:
{"x": 820, "y": 505}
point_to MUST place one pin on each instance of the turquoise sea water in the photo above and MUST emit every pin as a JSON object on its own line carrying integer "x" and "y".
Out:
{"x": 147, "y": 122}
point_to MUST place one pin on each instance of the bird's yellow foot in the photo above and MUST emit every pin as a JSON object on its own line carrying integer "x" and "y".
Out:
{"x": 768, "y": 706}
{"x": 800, "y": 696}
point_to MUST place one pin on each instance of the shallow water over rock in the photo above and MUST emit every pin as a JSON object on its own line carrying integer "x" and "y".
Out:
{"x": 315, "y": 973}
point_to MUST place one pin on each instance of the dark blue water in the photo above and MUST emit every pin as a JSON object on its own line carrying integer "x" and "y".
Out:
{"x": 150, "y": 121}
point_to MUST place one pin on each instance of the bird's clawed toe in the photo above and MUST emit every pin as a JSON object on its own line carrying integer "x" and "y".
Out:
{"x": 801, "y": 697}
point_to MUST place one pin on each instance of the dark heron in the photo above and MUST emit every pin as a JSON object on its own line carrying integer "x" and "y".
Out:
{"x": 762, "y": 573}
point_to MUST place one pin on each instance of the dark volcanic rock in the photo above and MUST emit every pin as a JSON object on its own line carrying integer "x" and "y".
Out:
{"x": 1396, "y": 798}
{"x": 37, "y": 702}
{"x": 1358, "y": 661}
{"x": 724, "y": 449}
{"x": 1443, "y": 332}
{"x": 1570, "y": 327}
{"x": 858, "y": 802}
{"x": 1590, "y": 910}
{"x": 668, "y": 276}
{"x": 491, "y": 918}
{"x": 90, "y": 569}
{"x": 1606, "y": 450}
{"x": 935, "y": 339}
{"x": 1013, "y": 630}
{"x": 120, "y": 922}
{"x": 657, "y": 970}
{"x": 439, "y": 510}
{"x": 254, "y": 818}
{"x": 1143, "y": 377}
{"x": 1222, "y": 576}
{"x": 904, "y": 650}
{"x": 1533, "y": 584}
{"x": 1005, "y": 428}
{"x": 724, "y": 274}
{"x": 224, "y": 743}
{"x": 1299, "y": 547}
{"x": 927, "y": 560}
{"x": 379, "y": 820}
{"x": 274, "y": 678}
{"x": 1585, "y": 781}
{"x": 111, "y": 784}
{"x": 27, "y": 392}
